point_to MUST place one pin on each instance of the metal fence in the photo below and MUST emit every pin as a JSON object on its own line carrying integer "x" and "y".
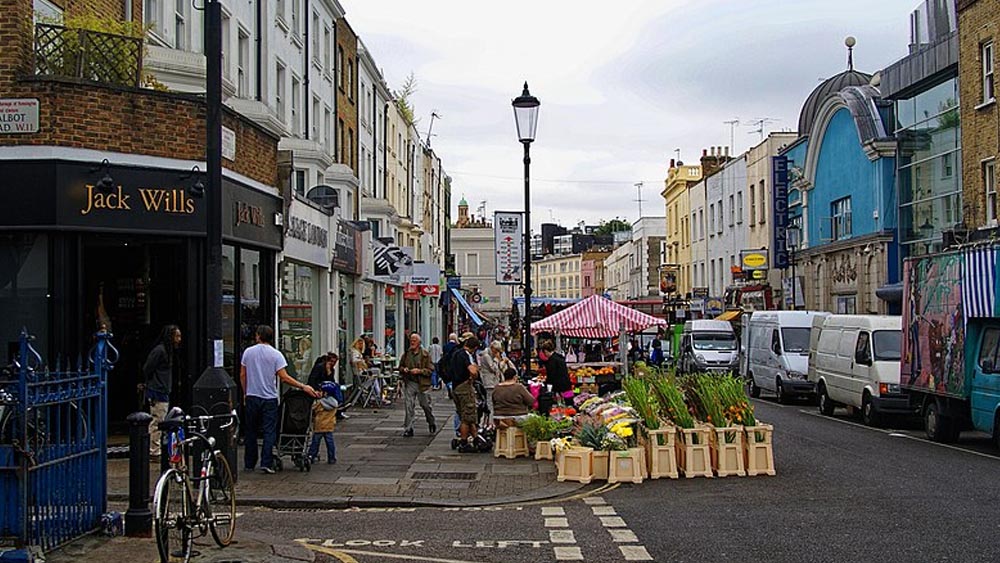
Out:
{"x": 91, "y": 55}
{"x": 53, "y": 436}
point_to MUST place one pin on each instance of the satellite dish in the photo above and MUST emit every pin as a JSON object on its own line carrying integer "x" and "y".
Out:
{"x": 324, "y": 196}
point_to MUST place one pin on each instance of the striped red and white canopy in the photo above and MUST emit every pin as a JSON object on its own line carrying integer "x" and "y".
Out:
{"x": 596, "y": 317}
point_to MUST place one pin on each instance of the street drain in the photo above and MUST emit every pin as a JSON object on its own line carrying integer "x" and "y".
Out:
{"x": 432, "y": 475}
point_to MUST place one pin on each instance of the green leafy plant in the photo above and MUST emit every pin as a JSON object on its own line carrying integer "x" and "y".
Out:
{"x": 709, "y": 404}
{"x": 671, "y": 403}
{"x": 591, "y": 435}
{"x": 644, "y": 404}
{"x": 538, "y": 428}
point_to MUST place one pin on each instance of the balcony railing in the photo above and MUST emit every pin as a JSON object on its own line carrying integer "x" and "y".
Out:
{"x": 88, "y": 55}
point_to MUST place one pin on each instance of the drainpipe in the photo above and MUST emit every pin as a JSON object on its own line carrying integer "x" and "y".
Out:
{"x": 260, "y": 51}
{"x": 305, "y": 77}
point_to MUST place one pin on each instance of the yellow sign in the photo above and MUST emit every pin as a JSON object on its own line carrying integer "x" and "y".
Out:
{"x": 759, "y": 274}
{"x": 754, "y": 260}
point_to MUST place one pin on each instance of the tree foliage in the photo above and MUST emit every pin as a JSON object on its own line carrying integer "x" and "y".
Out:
{"x": 613, "y": 226}
{"x": 404, "y": 101}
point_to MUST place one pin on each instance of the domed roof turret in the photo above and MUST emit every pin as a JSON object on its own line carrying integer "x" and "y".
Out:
{"x": 463, "y": 203}
{"x": 828, "y": 88}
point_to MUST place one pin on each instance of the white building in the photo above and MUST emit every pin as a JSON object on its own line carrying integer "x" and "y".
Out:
{"x": 727, "y": 228}
{"x": 617, "y": 271}
{"x": 649, "y": 235}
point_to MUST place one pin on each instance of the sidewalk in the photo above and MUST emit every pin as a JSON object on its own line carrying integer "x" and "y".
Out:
{"x": 377, "y": 466}
{"x": 246, "y": 548}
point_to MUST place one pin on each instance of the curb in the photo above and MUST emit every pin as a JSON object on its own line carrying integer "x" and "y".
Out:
{"x": 341, "y": 503}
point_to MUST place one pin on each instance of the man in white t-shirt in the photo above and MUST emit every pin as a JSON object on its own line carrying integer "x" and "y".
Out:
{"x": 260, "y": 369}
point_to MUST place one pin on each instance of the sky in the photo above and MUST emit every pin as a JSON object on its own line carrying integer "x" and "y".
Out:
{"x": 623, "y": 85}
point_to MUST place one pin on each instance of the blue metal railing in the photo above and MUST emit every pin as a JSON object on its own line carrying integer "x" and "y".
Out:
{"x": 53, "y": 437}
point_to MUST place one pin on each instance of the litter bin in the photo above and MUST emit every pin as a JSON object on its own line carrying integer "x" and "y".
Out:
{"x": 215, "y": 393}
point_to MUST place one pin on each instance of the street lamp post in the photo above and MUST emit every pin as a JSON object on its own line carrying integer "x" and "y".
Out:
{"x": 526, "y": 119}
{"x": 792, "y": 232}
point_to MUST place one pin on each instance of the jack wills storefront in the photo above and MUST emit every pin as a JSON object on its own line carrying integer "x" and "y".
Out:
{"x": 84, "y": 246}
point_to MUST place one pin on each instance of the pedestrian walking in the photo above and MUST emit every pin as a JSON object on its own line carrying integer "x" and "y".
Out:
{"x": 415, "y": 367}
{"x": 436, "y": 352}
{"x": 261, "y": 367}
{"x": 324, "y": 422}
{"x": 464, "y": 371}
{"x": 159, "y": 375}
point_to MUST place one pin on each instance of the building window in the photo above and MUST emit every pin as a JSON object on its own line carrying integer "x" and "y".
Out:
{"x": 739, "y": 207}
{"x": 732, "y": 210}
{"x": 242, "y": 81}
{"x": 841, "y": 218}
{"x": 279, "y": 91}
{"x": 326, "y": 50}
{"x": 990, "y": 182}
{"x": 316, "y": 38}
{"x": 711, "y": 218}
{"x": 299, "y": 182}
{"x": 847, "y": 305}
{"x": 753, "y": 205}
{"x": 989, "y": 84}
{"x": 279, "y": 10}
{"x": 762, "y": 216}
{"x": 350, "y": 79}
{"x": 226, "y": 71}
{"x": 316, "y": 124}
{"x": 327, "y": 128}
{"x": 180, "y": 24}
{"x": 296, "y": 126}
{"x": 296, "y": 7}
{"x": 340, "y": 67}
{"x": 151, "y": 14}
{"x": 719, "y": 224}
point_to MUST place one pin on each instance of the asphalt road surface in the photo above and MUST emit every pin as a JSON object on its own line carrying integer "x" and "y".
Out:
{"x": 843, "y": 492}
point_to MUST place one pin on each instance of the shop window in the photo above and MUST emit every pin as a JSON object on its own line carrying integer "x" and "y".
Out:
{"x": 989, "y": 80}
{"x": 990, "y": 183}
{"x": 24, "y": 288}
{"x": 297, "y": 322}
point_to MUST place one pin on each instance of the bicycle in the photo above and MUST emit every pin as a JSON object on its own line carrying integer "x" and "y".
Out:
{"x": 187, "y": 507}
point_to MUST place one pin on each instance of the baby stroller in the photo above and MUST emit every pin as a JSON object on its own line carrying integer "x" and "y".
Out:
{"x": 484, "y": 421}
{"x": 295, "y": 432}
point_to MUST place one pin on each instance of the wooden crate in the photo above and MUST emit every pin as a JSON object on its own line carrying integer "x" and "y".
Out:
{"x": 694, "y": 455}
{"x": 626, "y": 466}
{"x": 511, "y": 443}
{"x": 601, "y": 463}
{"x": 543, "y": 450}
{"x": 728, "y": 451}
{"x": 576, "y": 464}
{"x": 759, "y": 449}
{"x": 661, "y": 453}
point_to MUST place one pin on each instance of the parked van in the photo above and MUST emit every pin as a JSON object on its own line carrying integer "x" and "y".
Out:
{"x": 708, "y": 345}
{"x": 776, "y": 345}
{"x": 855, "y": 363}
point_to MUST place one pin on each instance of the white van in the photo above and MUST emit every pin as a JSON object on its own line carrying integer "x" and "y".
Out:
{"x": 855, "y": 363}
{"x": 708, "y": 346}
{"x": 776, "y": 345}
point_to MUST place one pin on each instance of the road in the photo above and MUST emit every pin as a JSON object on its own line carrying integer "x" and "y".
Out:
{"x": 843, "y": 492}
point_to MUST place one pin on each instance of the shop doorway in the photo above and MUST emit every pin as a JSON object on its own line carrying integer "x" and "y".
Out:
{"x": 136, "y": 286}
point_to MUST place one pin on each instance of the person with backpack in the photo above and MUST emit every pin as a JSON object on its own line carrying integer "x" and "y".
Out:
{"x": 444, "y": 368}
{"x": 464, "y": 370}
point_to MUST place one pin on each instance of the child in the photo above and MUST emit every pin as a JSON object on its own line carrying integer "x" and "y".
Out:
{"x": 324, "y": 421}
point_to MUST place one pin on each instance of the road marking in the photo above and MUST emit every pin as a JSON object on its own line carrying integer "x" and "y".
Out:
{"x": 619, "y": 535}
{"x": 553, "y": 511}
{"x": 594, "y": 500}
{"x": 406, "y": 557}
{"x": 556, "y": 523}
{"x": 604, "y": 510}
{"x": 568, "y": 554}
{"x": 613, "y": 522}
{"x": 894, "y": 434}
{"x": 342, "y": 557}
{"x": 562, "y": 536}
{"x": 635, "y": 553}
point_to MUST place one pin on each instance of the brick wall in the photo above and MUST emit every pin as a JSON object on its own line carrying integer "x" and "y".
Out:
{"x": 83, "y": 115}
{"x": 978, "y": 21}
{"x": 347, "y": 98}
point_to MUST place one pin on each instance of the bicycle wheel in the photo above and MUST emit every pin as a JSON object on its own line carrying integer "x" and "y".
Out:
{"x": 220, "y": 502}
{"x": 171, "y": 505}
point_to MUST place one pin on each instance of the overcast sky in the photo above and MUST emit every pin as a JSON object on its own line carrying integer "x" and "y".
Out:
{"x": 622, "y": 85}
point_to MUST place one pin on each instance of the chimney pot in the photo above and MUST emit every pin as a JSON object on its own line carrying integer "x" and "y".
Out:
{"x": 727, "y": 151}
{"x": 672, "y": 162}
{"x": 704, "y": 152}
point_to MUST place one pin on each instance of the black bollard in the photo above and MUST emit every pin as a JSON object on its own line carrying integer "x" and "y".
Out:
{"x": 138, "y": 517}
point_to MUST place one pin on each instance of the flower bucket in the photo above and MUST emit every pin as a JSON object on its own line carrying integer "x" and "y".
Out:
{"x": 625, "y": 466}
{"x": 576, "y": 464}
{"x": 694, "y": 451}
{"x": 727, "y": 451}
{"x": 543, "y": 450}
{"x": 661, "y": 453}
{"x": 600, "y": 458}
{"x": 759, "y": 449}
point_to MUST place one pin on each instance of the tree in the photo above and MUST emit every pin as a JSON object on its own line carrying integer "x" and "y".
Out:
{"x": 403, "y": 101}
{"x": 613, "y": 226}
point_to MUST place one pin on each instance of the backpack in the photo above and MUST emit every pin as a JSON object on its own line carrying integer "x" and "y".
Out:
{"x": 444, "y": 364}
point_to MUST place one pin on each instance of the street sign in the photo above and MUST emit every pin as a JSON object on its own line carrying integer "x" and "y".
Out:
{"x": 508, "y": 241}
{"x": 454, "y": 282}
{"x": 18, "y": 115}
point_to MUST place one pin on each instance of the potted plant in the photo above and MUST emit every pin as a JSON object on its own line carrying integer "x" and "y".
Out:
{"x": 592, "y": 436}
{"x": 626, "y": 461}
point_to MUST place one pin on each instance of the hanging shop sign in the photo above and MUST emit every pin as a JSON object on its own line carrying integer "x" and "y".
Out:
{"x": 753, "y": 259}
{"x": 779, "y": 205}
{"x": 668, "y": 278}
{"x": 391, "y": 263}
{"x": 252, "y": 216}
{"x": 508, "y": 241}
{"x": 346, "y": 258}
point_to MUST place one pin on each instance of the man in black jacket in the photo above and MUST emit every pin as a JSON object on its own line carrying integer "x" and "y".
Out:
{"x": 158, "y": 371}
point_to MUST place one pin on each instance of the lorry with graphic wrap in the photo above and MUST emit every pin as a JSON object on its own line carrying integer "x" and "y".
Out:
{"x": 951, "y": 342}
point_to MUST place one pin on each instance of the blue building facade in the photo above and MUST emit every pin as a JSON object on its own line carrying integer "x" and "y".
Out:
{"x": 842, "y": 198}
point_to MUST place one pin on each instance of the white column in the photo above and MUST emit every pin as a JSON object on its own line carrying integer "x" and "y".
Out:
{"x": 378, "y": 314}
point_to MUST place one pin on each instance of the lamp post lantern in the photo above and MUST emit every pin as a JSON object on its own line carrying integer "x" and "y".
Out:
{"x": 526, "y": 119}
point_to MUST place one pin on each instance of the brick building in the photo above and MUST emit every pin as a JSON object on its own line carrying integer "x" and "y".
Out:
{"x": 107, "y": 181}
{"x": 978, "y": 42}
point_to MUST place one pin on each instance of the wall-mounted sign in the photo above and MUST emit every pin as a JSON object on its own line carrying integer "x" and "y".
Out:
{"x": 300, "y": 229}
{"x": 18, "y": 115}
{"x": 228, "y": 143}
{"x": 392, "y": 264}
{"x": 668, "y": 278}
{"x": 754, "y": 259}
{"x": 508, "y": 241}
{"x": 454, "y": 282}
{"x": 346, "y": 255}
{"x": 779, "y": 205}
{"x": 699, "y": 292}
